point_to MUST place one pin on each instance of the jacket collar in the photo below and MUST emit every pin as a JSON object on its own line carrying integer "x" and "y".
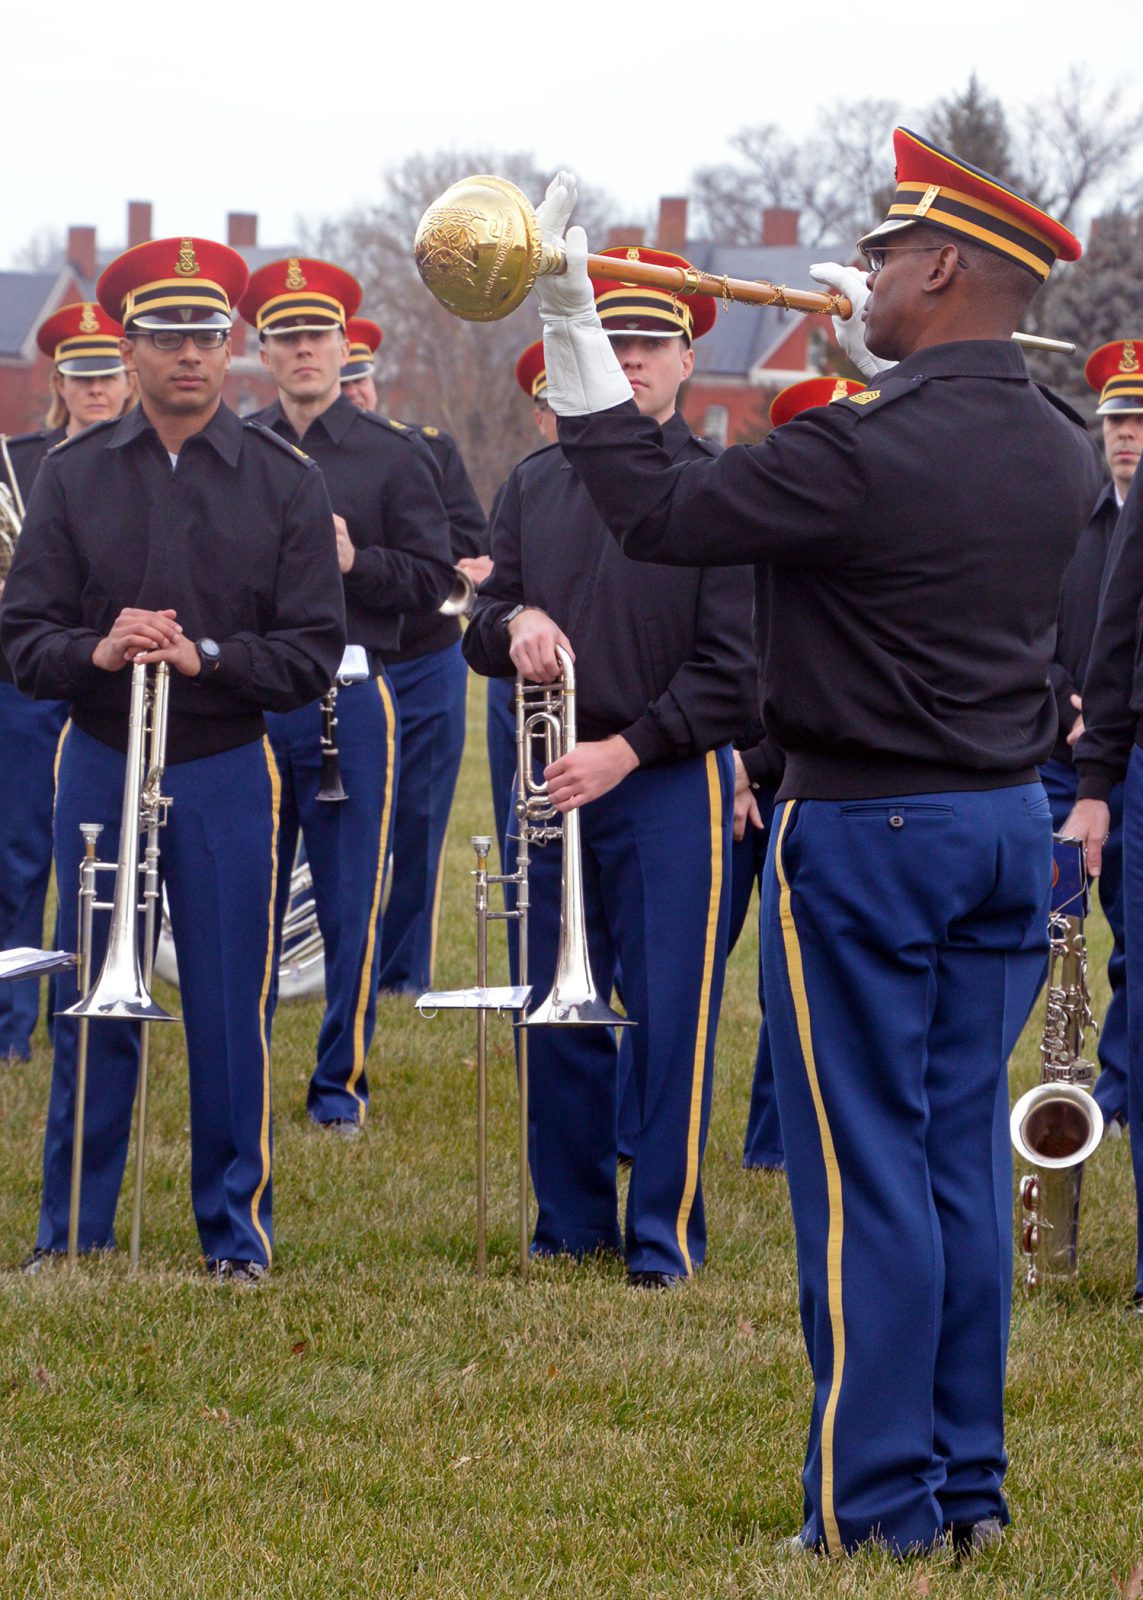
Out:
{"x": 965, "y": 358}
{"x": 336, "y": 420}
{"x": 223, "y": 432}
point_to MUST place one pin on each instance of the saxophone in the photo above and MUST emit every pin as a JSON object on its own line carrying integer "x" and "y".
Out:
{"x": 1057, "y": 1125}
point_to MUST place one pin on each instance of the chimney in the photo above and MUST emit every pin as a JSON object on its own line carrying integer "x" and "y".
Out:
{"x": 672, "y": 225}
{"x": 779, "y": 226}
{"x": 138, "y": 222}
{"x": 81, "y": 251}
{"x": 242, "y": 229}
{"x": 618, "y": 237}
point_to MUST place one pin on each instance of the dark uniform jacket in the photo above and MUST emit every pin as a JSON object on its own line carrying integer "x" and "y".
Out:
{"x": 426, "y": 632}
{"x": 663, "y": 656}
{"x": 238, "y": 540}
{"x": 25, "y": 451}
{"x": 910, "y": 540}
{"x": 1079, "y": 606}
{"x": 382, "y": 483}
{"x": 1113, "y": 686}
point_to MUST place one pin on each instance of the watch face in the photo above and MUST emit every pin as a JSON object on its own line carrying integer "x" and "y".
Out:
{"x": 208, "y": 650}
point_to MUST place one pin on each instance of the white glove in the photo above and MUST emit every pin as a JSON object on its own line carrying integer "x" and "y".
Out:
{"x": 850, "y": 330}
{"x": 583, "y": 373}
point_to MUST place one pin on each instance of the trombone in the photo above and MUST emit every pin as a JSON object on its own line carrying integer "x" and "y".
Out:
{"x": 122, "y": 989}
{"x": 545, "y": 722}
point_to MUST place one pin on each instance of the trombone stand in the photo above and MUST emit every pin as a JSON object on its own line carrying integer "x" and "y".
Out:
{"x": 482, "y": 1000}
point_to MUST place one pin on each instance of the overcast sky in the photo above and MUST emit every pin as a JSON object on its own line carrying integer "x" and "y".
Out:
{"x": 214, "y": 108}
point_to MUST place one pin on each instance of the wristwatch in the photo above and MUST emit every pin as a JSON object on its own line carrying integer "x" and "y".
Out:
{"x": 209, "y": 655}
{"x": 513, "y": 614}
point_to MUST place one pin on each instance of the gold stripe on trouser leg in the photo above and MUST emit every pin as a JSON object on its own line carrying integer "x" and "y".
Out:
{"x": 702, "y": 1028}
{"x": 797, "y": 979}
{"x": 64, "y": 731}
{"x": 264, "y": 1133}
{"x": 371, "y": 940}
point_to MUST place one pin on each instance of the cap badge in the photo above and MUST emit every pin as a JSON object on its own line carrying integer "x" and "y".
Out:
{"x": 1129, "y": 361}
{"x": 88, "y": 322}
{"x": 187, "y": 266}
{"x": 632, "y": 252}
{"x": 295, "y": 279}
{"x": 839, "y": 391}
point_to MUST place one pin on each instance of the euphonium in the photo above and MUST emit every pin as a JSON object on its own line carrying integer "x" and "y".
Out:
{"x": 122, "y": 989}
{"x": 11, "y": 511}
{"x": 1057, "y": 1125}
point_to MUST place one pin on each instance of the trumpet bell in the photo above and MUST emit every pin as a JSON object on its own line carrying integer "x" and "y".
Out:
{"x": 478, "y": 248}
{"x": 119, "y": 996}
{"x": 1055, "y": 1126}
{"x": 458, "y": 601}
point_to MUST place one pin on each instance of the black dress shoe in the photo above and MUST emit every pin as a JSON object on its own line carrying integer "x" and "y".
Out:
{"x": 654, "y": 1280}
{"x": 970, "y": 1538}
{"x": 39, "y": 1261}
{"x": 244, "y": 1273}
{"x": 347, "y": 1127}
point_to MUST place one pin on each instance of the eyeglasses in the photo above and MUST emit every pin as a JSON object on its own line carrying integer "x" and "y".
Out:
{"x": 172, "y": 338}
{"x": 876, "y": 258}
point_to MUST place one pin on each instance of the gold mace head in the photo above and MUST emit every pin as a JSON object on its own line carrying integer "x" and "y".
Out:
{"x": 478, "y": 248}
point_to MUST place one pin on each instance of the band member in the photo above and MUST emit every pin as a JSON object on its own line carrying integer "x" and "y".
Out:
{"x": 392, "y": 548}
{"x": 500, "y": 726}
{"x": 910, "y": 543}
{"x": 1107, "y": 754}
{"x": 757, "y": 777}
{"x": 89, "y": 384}
{"x": 1113, "y": 372}
{"x": 180, "y": 534}
{"x": 429, "y": 682}
{"x": 663, "y": 675}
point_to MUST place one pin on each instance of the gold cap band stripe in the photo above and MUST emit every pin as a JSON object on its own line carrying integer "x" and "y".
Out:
{"x": 86, "y": 345}
{"x": 299, "y": 303}
{"x": 645, "y": 302}
{"x": 985, "y": 235}
{"x": 166, "y": 292}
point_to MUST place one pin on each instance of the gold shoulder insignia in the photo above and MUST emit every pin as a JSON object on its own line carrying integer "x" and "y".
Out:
{"x": 186, "y": 266}
{"x": 88, "y": 323}
{"x": 294, "y": 276}
{"x": 431, "y": 433}
{"x": 402, "y": 426}
{"x": 865, "y": 397}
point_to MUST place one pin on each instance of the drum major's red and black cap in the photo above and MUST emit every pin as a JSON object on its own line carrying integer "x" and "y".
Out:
{"x": 364, "y": 341}
{"x": 637, "y": 308}
{"x": 531, "y": 373}
{"x": 170, "y": 283}
{"x": 82, "y": 340}
{"x": 1115, "y": 371}
{"x": 810, "y": 392}
{"x": 936, "y": 187}
{"x": 300, "y": 294}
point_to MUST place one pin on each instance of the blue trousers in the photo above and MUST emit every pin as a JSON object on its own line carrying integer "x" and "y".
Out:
{"x": 904, "y": 945}
{"x": 430, "y": 695}
{"x": 219, "y": 864}
{"x": 1059, "y": 779}
{"x": 347, "y": 845}
{"x": 1133, "y": 902}
{"x": 763, "y": 1145}
{"x": 29, "y": 737}
{"x": 656, "y": 881}
{"x": 500, "y": 734}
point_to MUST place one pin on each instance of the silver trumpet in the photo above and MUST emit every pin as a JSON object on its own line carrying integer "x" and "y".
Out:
{"x": 545, "y": 717}
{"x": 1057, "y": 1125}
{"x": 122, "y": 989}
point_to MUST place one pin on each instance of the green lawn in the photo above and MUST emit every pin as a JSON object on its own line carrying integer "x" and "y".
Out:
{"x": 375, "y": 1422}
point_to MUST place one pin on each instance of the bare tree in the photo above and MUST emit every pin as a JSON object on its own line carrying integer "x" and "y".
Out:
{"x": 42, "y": 251}
{"x": 432, "y": 366}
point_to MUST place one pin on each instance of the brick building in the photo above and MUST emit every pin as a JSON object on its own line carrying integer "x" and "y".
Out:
{"x": 752, "y": 351}
{"x": 27, "y": 298}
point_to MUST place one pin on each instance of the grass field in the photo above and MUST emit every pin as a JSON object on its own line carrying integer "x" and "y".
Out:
{"x": 374, "y": 1422}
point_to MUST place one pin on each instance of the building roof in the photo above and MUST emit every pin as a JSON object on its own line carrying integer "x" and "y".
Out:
{"x": 744, "y": 337}
{"x": 25, "y": 299}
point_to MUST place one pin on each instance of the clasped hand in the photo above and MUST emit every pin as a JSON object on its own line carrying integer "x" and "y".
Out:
{"x": 144, "y": 637}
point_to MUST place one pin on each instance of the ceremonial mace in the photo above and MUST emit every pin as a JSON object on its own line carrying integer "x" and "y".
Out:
{"x": 479, "y": 250}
